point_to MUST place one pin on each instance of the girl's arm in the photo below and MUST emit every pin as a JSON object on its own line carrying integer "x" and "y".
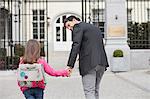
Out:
{"x": 49, "y": 70}
{"x": 21, "y": 60}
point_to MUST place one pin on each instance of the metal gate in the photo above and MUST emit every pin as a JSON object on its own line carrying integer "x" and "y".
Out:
{"x": 93, "y": 11}
{"x": 138, "y": 12}
{"x": 21, "y": 20}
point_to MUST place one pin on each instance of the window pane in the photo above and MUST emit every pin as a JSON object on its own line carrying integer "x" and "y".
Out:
{"x": 58, "y": 21}
{"x": 64, "y": 34}
{"x": 98, "y": 15}
{"x": 35, "y": 31}
{"x": 57, "y": 33}
{"x": 35, "y": 12}
{"x": 41, "y": 36}
{"x": 35, "y": 36}
{"x": 42, "y": 18}
{"x": 64, "y": 17}
{"x": 42, "y": 30}
{"x": 42, "y": 53}
{"x": 35, "y": 18}
{"x": 95, "y": 23}
{"x": 42, "y": 24}
{"x": 101, "y": 24}
{"x": 129, "y": 15}
{"x": 102, "y": 29}
{"x": 35, "y": 25}
{"x": 41, "y": 12}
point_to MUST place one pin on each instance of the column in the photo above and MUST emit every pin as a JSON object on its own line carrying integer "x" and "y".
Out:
{"x": 116, "y": 32}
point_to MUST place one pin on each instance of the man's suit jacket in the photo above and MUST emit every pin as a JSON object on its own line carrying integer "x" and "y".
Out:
{"x": 88, "y": 43}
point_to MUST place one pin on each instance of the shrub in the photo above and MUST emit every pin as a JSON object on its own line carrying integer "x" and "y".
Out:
{"x": 2, "y": 52}
{"x": 19, "y": 50}
{"x": 2, "y": 63}
{"x": 12, "y": 62}
{"x": 118, "y": 53}
{"x": 2, "y": 58}
{"x": 42, "y": 53}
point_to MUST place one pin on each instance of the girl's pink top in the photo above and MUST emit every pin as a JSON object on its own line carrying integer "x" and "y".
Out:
{"x": 49, "y": 70}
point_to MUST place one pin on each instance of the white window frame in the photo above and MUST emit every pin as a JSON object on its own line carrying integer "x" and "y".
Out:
{"x": 38, "y": 21}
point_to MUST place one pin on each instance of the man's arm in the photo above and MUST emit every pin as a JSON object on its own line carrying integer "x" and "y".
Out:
{"x": 77, "y": 38}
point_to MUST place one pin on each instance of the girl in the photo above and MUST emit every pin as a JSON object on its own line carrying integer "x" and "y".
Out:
{"x": 32, "y": 55}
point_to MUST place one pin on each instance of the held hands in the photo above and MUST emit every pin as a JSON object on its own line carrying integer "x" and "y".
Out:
{"x": 69, "y": 69}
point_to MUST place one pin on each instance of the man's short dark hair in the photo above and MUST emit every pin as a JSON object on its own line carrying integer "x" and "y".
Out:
{"x": 70, "y": 18}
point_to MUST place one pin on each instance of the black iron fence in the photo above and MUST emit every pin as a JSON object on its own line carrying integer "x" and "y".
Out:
{"x": 138, "y": 24}
{"x": 11, "y": 53}
{"x": 138, "y": 14}
{"x": 21, "y": 20}
{"x": 93, "y": 11}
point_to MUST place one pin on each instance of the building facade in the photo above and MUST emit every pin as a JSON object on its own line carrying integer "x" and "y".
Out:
{"x": 43, "y": 20}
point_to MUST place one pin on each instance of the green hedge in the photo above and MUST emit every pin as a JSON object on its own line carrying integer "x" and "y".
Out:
{"x": 118, "y": 53}
{"x": 3, "y": 52}
{"x": 19, "y": 50}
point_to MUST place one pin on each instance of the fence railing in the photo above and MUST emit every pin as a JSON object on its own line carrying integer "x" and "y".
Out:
{"x": 138, "y": 14}
{"x": 11, "y": 53}
{"x": 16, "y": 28}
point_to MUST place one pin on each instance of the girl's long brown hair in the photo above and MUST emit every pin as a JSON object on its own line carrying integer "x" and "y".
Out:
{"x": 32, "y": 51}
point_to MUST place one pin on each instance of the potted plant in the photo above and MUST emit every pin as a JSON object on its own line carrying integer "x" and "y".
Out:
{"x": 118, "y": 53}
{"x": 118, "y": 61}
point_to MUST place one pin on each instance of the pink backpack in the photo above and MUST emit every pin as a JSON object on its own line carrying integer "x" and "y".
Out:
{"x": 27, "y": 73}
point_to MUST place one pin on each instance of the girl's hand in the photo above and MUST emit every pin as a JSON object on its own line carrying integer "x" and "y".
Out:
{"x": 69, "y": 71}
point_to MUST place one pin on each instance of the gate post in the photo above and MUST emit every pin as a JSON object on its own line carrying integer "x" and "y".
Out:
{"x": 116, "y": 32}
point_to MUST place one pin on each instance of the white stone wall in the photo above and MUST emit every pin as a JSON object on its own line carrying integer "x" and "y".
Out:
{"x": 55, "y": 10}
{"x": 140, "y": 59}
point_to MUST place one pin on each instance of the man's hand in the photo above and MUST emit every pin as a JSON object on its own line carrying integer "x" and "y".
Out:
{"x": 69, "y": 70}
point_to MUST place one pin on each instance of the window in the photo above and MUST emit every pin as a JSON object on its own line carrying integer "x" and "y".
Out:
{"x": 129, "y": 14}
{"x": 35, "y": 12}
{"x": 98, "y": 15}
{"x": 64, "y": 34}
{"x": 35, "y": 15}
{"x": 2, "y": 4}
{"x": 42, "y": 53}
{"x": 99, "y": 18}
{"x": 58, "y": 21}
{"x": 42, "y": 30}
{"x": 38, "y": 24}
{"x": 57, "y": 33}
{"x": 35, "y": 18}
{"x": 148, "y": 14}
{"x": 35, "y": 24}
{"x": 63, "y": 19}
{"x": 61, "y": 34}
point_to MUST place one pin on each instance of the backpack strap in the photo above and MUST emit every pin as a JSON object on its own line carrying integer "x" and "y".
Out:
{"x": 21, "y": 60}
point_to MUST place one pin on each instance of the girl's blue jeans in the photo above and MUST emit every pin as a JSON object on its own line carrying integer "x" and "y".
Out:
{"x": 34, "y": 93}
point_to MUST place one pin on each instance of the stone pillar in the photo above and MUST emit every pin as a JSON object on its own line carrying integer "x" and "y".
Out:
{"x": 116, "y": 31}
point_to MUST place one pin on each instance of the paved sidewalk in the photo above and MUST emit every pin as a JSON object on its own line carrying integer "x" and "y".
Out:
{"x": 125, "y": 85}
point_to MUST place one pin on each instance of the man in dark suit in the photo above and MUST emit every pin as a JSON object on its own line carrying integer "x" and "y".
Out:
{"x": 88, "y": 43}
